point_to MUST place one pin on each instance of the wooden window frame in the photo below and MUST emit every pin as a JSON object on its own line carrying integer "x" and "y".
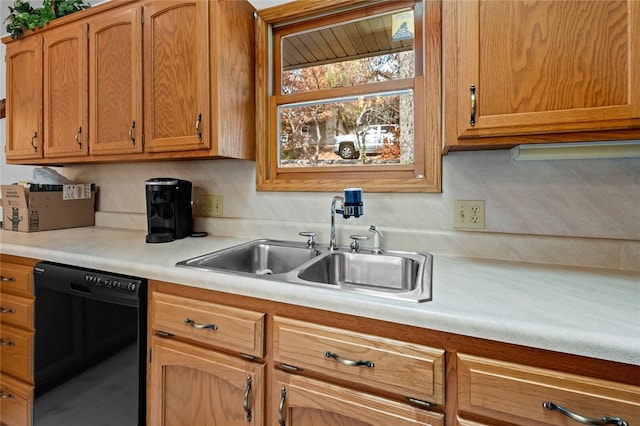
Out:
{"x": 422, "y": 176}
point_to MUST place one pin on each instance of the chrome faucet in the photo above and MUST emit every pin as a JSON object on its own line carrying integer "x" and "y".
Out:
{"x": 332, "y": 236}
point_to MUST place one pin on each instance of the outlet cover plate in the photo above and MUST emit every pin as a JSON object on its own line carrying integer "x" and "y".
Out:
{"x": 468, "y": 214}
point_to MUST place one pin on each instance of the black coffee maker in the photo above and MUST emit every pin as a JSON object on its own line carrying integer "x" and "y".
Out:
{"x": 169, "y": 215}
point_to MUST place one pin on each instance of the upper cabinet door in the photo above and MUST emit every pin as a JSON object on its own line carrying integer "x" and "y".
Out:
{"x": 536, "y": 67}
{"x": 115, "y": 80}
{"x": 24, "y": 98}
{"x": 66, "y": 131}
{"x": 177, "y": 76}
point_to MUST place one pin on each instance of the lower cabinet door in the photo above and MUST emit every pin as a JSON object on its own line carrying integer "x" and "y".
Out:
{"x": 301, "y": 401}
{"x": 16, "y": 402}
{"x": 191, "y": 386}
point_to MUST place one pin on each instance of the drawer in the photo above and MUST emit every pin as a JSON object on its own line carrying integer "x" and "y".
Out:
{"x": 16, "y": 310}
{"x": 16, "y": 401}
{"x": 16, "y": 279}
{"x": 411, "y": 370}
{"x": 238, "y": 330}
{"x": 16, "y": 352}
{"x": 515, "y": 393}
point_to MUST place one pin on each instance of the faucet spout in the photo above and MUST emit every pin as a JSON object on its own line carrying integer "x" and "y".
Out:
{"x": 376, "y": 239}
{"x": 332, "y": 236}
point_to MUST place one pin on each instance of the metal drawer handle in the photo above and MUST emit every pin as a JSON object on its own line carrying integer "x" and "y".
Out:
{"x": 7, "y": 311}
{"x": 246, "y": 403}
{"x": 78, "y": 138}
{"x": 194, "y": 324}
{"x": 472, "y": 91}
{"x": 605, "y": 420}
{"x": 131, "y": 135}
{"x": 348, "y": 362}
{"x": 283, "y": 397}
{"x": 7, "y": 279}
{"x": 6, "y": 395}
{"x": 33, "y": 144}
{"x": 198, "y": 121}
{"x": 6, "y": 343}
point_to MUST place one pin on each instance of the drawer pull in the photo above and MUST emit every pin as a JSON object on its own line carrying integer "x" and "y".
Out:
{"x": 348, "y": 362}
{"x": 7, "y": 279}
{"x": 585, "y": 420}
{"x": 5, "y": 343}
{"x": 6, "y": 395}
{"x": 194, "y": 324}
{"x": 246, "y": 402}
{"x": 472, "y": 91}
{"x": 7, "y": 311}
{"x": 283, "y": 397}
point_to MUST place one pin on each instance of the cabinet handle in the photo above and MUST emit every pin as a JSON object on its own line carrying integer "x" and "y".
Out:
{"x": 246, "y": 403}
{"x": 33, "y": 144}
{"x": 7, "y": 311}
{"x": 6, "y": 395}
{"x": 194, "y": 324}
{"x": 198, "y": 121}
{"x": 283, "y": 397}
{"x": 5, "y": 343}
{"x": 6, "y": 279}
{"x": 78, "y": 138}
{"x": 348, "y": 362}
{"x": 472, "y": 91}
{"x": 605, "y": 420}
{"x": 131, "y": 135}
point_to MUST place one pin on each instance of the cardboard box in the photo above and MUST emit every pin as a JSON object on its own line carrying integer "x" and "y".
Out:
{"x": 45, "y": 207}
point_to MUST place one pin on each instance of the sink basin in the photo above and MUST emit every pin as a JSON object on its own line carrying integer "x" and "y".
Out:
{"x": 383, "y": 273}
{"x": 390, "y": 274}
{"x": 261, "y": 257}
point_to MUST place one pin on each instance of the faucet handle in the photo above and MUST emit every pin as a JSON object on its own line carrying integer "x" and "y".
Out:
{"x": 355, "y": 247}
{"x": 311, "y": 242}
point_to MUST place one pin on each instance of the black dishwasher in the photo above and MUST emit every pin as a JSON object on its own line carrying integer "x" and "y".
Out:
{"x": 90, "y": 347}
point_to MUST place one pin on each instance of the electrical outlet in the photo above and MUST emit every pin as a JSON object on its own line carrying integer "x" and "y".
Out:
{"x": 209, "y": 206}
{"x": 468, "y": 214}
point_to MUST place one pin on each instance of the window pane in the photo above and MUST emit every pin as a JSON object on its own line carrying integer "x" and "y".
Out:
{"x": 371, "y": 50}
{"x": 368, "y": 130}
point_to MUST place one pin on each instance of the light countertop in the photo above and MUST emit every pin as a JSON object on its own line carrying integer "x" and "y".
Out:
{"x": 589, "y": 312}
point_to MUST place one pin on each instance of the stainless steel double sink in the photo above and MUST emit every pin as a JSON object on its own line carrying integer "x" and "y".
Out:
{"x": 391, "y": 274}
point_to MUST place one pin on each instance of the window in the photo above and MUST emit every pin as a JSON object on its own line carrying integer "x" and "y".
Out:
{"x": 349, "y": 96}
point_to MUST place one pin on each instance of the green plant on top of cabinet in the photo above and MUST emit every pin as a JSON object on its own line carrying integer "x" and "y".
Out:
{"x": 537, "y": 68}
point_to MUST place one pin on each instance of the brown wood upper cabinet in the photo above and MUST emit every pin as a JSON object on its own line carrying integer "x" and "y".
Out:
{"x": 532, "y": 68}
{"x": 105, "y": 100}
{"x": 24, "y": 99}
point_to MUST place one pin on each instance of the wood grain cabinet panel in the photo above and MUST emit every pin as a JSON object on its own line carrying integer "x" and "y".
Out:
{"x": 177, "y": 76}
{"x": 302, "y": 401}
{"x": 237, "y": 330}
{"x": 16, "y": 402}
{"x": 16, "y": 279}
{"x": 515, "y": 393}
{"x": 196, "y": 386}
{"x": 16, "y": 352}
{"x": 540, "y": 67}
{"x": 115, "y": 79}
{"x": 16, "y": 310}
{"x": 413, "y": 371}
{"x": 66, "y": 91}
{"x": 24, "y": 99}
